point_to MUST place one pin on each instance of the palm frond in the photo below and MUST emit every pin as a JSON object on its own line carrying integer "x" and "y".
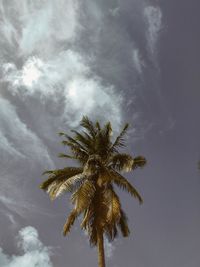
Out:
{"x": 107, "y": 130}
{"x": 123, "y": 224}
{"x": 84, "y": 139}
{"x": 59, "y": 175}
{"x": 70, "y": 221}
{"x": 89, "y": 126}
{"x": 122, "y": 183}
{"x": 139, "y": 162}
{"x": 69, "y": 185}
{"x": 71, "y": 141}
{"x": 53, "y": 188}
{"x": 86, "y": 217}
{"x": 97, "y": 217}
{"x": 78, "y": 153}
{"x": 114, "y": 206}
{"x": 83, "y": 196}
{"x": 103, "y": 141}
{"x": 121, "y": 162}
{"x": 46, "y": 183}
{"x": 119, "y": 141}
{"x": 111, "y": 231}
{"x": 61, "y": 155}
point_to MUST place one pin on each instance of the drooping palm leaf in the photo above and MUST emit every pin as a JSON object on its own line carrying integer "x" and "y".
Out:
{"x": 89, "y": 126}
{"x": 121, "y": 182}
{"x": 139, "y": 162}
{"x": 78, "y": 153}
{"x": 83, "y": 196}
{"x": 59, "y": 175}
{"x": 70, "y": 221}
{"x": 111, "y": 231}
{"x": 114, "y": 205}
{"x": 123, "y": 224}
{"x": 62, "y": 155}
{"x": 121, "y": 162}
{"x": 103, "y": 141}
{"x": 72, "y": 142}
{"x": 69, "y": 185}
{"x": 119, "y": 141}
{"x": 84, "y": 139}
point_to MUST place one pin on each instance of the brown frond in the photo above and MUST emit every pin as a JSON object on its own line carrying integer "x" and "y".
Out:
{"x": 119, "y": 141}
{"x": 98, "y": 215}
{"x": 122, "y": 183}
{"x": 121, "y": 162}
{"x": 69, "y": 185}
{"x": 78, "y": 153}
{"x": 69, "y": 222}
{"x": 73, "y": 143}
{"x": 114, "y": 206}
{"x": 84, "y": 139}
{"x": 89, "y": 126}
{"x": 46, "y": 183}
{"x": 139, "y": 162}
{"x": 86, "y": 217}
{"x": 61, "y": 155}
{"x": 111, "y": 231}
{"x": 83, "y": 196}
{"x": 103, "y": 141}
{"x": 123, "y": 224}
{"x": 59, "y": 175}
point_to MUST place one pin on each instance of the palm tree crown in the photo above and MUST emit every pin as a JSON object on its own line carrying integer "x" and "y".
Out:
{"x": 91, "y": 184}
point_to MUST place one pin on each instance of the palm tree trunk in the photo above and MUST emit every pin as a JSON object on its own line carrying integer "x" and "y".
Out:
{"x": 100, "y": 248}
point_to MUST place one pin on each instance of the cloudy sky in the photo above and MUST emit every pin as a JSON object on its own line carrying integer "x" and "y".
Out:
{"x": 133, "y": 61}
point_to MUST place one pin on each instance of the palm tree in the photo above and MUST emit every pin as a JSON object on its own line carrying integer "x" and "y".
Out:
{"x": 92, "y": 184}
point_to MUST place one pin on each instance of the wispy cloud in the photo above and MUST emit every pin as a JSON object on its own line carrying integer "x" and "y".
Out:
{"x": 49, "y": 65}
{"x": 17, "y": 141}
{"x": 109, "y": 248}
{"x": 68, "y": 78}
{"x": 153, "y": 16}
{"x": 138, "y": 62}
{"x": 34, "y": 252}
{"x": 21, "y": 151}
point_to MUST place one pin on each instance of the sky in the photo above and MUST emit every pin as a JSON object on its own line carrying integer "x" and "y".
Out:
{"x": 133, "y": 61}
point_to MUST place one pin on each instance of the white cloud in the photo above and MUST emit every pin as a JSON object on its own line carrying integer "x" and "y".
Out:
{"x": 109, "y": 248}
{"x": 17, "y": 140}
{"x": 50, "y": 66}
{"x": 21, "y": 151}
{"x": 34, "y": 252}
{"x": 153, "y": 16}
{"x": 31, "y": 26}
{"x": 138, "y": 61}
{"x": 65, "y": 77}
